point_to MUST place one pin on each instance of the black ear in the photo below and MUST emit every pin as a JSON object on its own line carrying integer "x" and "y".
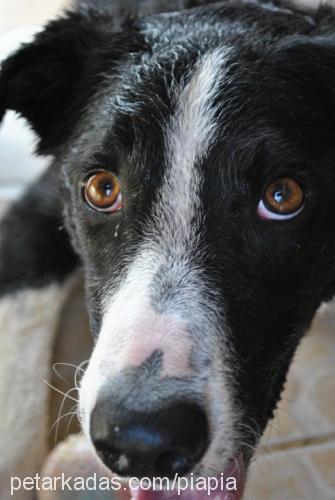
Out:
{"x": 51, "y": 80}
{"x": 311, "y": 60}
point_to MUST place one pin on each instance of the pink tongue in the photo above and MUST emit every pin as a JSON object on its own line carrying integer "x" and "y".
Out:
{"x": 229, "y": 486}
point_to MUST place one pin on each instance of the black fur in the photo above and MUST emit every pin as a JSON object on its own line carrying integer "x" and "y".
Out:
{"x": 278, "y": 118}
{"x": 35, "y": 249}
{"x": 60, "y": 71}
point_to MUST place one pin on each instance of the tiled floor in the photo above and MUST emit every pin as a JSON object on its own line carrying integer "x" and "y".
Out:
{"x": 302, "y": 437}
{"x": 297, "y": 457}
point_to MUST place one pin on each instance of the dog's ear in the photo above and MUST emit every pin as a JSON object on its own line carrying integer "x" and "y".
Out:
{"x": 51, "y": 80}
{"x": 310, "y": 61}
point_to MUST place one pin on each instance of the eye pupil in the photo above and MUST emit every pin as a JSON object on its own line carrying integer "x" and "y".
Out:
{"x": 108, "y": 188}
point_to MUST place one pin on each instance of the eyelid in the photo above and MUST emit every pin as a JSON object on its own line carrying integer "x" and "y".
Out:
{"x": 266, "y": 214}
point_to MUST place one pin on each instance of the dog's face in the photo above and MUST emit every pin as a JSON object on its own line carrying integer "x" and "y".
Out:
{"x": 197, "y": 187}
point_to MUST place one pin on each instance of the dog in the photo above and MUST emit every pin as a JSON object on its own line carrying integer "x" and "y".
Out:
{"x": 192, "y": 179}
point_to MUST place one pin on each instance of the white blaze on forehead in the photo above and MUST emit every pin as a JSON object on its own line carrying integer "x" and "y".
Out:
{"x": 131, "y": 329}
{"x": 188, "y": 138}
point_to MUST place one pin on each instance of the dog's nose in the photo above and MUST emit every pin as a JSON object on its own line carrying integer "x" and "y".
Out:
{"x": 161, "y": 443}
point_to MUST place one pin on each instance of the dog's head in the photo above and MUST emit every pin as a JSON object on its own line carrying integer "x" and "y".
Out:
{"x": 196, "y": 156}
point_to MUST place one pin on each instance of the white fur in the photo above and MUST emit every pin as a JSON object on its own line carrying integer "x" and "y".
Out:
{"x": 132, "y": 329}
{"x": 188, "y": 137}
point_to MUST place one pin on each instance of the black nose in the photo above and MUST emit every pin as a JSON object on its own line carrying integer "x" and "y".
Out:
{"x": 161, "y": 443}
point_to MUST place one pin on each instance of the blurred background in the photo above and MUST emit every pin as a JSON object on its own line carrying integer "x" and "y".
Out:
{"x": 16, "y": 13}
{"x": 296, "y": 459}
{"x": 19, "y": 20}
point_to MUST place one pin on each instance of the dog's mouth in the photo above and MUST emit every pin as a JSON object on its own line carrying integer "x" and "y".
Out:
{"x": 229, "y": 485}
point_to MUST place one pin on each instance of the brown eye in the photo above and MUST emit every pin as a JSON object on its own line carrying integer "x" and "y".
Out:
{"x": 102, "y": 192}
{"x": 283, "y": 199}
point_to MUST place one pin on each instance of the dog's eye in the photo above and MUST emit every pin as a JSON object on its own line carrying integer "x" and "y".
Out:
{"x": 282, "y": 200}
{"x": 102, "y": 192}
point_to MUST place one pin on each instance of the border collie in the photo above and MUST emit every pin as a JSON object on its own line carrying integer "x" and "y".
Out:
{"x": 193, "y": 179}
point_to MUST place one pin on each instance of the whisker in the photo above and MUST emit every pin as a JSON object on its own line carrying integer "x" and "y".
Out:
{"x": 79, "y": 369}
{"x": 71, "y": 365}
{"x": 58, "y": 420}
{"x": 74, "y": 413}
{"x": 61, "y": 408}
{"x": 59, "y": 375}
{"x": 61, "y": 392}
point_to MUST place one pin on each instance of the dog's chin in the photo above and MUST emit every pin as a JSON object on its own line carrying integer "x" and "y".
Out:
{"x": 229, "y": 485}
